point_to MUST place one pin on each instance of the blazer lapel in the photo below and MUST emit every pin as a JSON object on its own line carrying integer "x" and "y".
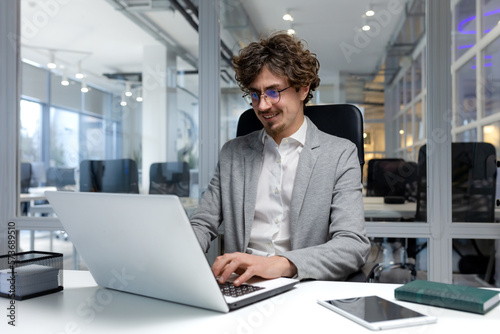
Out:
{"x": 307, "y": 160}
{"x": 252, "y": 163}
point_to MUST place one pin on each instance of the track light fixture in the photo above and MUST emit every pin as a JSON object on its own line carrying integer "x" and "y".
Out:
{"x": 128, "y": 90}
{"x": 64, "y": 80}
{"x": 52, "y": 61}
{"x": 139, "y": 98}
{"x": 79, "y": 73}
{"x": 84, "y": 88}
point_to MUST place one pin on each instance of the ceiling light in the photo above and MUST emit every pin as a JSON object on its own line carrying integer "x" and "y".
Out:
{"x": 290, "y": 32}
{"x": 64, "y": 80}
{"x": 52, "y": 62}
{"x": 128, "y": 91}
{"x": 123, "y": 102}
{"x": 139, "y": 95}
{"x": 287, "y": 17}
{"x": 84, "y": 88}
{"x": 370, "y": 11}
{"x": 79, "y": 73}
{"x": 366, "y": 27}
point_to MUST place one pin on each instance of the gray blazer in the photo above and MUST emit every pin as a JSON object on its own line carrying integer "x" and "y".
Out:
{"x": 328, "y": 238}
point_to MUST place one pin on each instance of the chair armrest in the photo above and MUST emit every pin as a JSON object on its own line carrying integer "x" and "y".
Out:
{"x": 367, "y": 273}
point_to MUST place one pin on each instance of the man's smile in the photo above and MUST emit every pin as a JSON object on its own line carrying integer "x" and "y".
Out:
{"x": 269, "y": 116}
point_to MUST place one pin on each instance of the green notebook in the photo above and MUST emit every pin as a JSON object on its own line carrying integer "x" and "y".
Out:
{"x": 458, "y": 297}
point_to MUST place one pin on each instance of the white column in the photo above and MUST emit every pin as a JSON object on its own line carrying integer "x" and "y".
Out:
{"x": 154, "y": 109}
{"x": 172, "y": 106}
{"x": 209, "y": 67}
{"x": 9, "y": 96}
{"x": 438, "y": 24}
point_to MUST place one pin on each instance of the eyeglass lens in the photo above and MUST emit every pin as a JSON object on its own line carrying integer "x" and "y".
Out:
{"x": 272, "y": 96}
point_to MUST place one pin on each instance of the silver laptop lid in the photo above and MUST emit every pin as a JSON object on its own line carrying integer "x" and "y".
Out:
{"x": 143, "y": 244}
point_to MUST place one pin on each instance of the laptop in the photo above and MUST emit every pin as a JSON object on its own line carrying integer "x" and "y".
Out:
{"x": 145, "y": 245}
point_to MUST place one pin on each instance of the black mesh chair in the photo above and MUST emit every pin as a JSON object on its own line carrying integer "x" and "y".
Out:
{"x": 169, "y": 178}
{"x": 473, "y": 192}
{"x": 109, "y": 176}
{"x": 473, "y": 182}
{"x": 342, "y": 120}
{"x": 63, "y": 178}
{"x": 25, "y": 177}
{"x": 383, "y": 177}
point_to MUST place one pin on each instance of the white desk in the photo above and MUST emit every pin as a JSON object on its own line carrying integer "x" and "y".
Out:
{"x": 85, "y": 308}
{"x": 36, "y": 194}
{"x": 376, "y": 208}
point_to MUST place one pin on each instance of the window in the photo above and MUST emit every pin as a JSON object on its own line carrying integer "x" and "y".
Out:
{"x": 30, "y": 131}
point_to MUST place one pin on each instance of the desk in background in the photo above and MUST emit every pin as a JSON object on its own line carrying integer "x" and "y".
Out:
{"x": 85, "y": 308}
{"x": 376, "y": 209}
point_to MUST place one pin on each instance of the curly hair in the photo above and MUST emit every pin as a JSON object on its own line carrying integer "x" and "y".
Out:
{"x": 283, "y": 55}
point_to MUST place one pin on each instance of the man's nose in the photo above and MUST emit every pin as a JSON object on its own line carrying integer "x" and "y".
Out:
{"x": 264, "y": 103}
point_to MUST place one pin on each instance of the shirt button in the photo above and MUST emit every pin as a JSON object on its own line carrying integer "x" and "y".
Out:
{"x": 278, "y": 160}
{"x": 276, "y": 191}
{"x": 276, "y": 221}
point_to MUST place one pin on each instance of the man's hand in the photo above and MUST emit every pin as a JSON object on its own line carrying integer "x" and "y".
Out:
{"x": 247, "y": 266}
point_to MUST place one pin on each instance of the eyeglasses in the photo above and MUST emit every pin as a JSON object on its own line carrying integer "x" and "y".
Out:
{"x": 271, "y": 95}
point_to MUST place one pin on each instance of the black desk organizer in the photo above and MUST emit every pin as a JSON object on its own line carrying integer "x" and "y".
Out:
{"x": 44, "y": 263}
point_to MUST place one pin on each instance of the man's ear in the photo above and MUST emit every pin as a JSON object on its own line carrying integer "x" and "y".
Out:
{"x": 303, "y": 92}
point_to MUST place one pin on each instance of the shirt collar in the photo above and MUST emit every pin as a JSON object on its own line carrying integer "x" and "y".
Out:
{"x": 299, "y": 135}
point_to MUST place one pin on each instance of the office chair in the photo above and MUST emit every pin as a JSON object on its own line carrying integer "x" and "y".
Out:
{"x": 109, "y": 176}
{"x": 63, "y": 178}
{"x": 25, "y": 180}
{"x": 384, "y": 177}
{"x": 169, "y": 178}
{"x": 368, "y": 273}
{"x": 473, "y": 178}
{"x": 473, "y": 191}
{"x": 25, "y": 177}
{"x": 342, "y": 120}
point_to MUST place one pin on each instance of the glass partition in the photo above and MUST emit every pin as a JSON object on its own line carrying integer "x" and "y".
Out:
{"x": 401, "y": 260}
{"x": 464, "y": 28}
{"x": 476, "y": 262}
{"x": 103, "y": 93}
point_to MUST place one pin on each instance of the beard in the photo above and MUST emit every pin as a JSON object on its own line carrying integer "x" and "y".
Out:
{"x": 273, "y": 131}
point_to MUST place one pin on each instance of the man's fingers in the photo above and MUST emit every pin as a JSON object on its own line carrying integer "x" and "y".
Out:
{"x": 225, "y": 265}
{"x": 245, "y": 276}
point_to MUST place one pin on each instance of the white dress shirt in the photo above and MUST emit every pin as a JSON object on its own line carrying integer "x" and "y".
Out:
{"x": 271, "y": 226}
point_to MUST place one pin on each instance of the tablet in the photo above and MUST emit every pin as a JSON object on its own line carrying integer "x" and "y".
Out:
{"x": 377, "y": 313}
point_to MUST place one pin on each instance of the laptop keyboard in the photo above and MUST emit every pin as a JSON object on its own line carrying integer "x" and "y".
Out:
{"x": 230, "y": 290}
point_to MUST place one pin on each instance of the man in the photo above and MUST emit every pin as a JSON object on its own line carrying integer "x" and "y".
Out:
{"x": 289, "y": 195}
